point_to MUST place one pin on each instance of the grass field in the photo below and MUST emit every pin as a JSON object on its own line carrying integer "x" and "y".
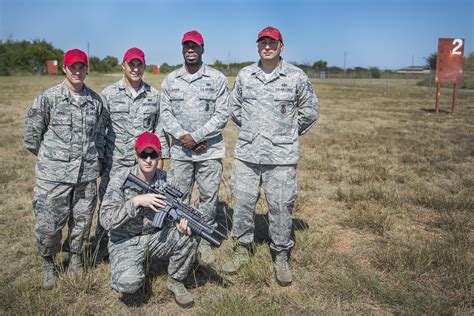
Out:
{"x": 383, "y": 222}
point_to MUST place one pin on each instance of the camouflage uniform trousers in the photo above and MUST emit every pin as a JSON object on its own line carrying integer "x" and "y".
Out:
{"x": 129, "y": 257}
{"x": 107, "y": 174}
{"x": 279, "y": 184}
{"x": 57, "y": 203}
{"x": 207, "y": 174}
{"x": 100, "y": 232}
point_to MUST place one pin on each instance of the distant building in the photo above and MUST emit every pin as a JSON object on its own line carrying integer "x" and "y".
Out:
{"x": 414, "y": 70}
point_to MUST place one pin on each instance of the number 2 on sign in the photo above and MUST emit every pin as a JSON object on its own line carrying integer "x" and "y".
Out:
{"x": 457, "y": 43}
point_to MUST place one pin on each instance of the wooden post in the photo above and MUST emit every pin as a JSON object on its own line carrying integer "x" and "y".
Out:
{"x": 437, "y": 97}
{"x": 455, "y": 92}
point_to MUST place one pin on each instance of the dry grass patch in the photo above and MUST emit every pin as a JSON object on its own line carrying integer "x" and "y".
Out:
{"x": 383, "y": 222}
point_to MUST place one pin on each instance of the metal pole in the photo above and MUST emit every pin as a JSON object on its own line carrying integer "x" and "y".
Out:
{"x": 437, "y": 97}
{"x": 345, "y": 55}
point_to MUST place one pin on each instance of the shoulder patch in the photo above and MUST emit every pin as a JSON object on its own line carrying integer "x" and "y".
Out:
{"x": 33, "y": 112}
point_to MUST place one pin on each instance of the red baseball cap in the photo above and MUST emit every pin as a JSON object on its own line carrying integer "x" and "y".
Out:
{"x": 147, "y": 140}
{"x": 271, "y": 32}
{"x": 193, "y": 36}
{"x": 134, "y": 53}
{"x": 73, "y": 56}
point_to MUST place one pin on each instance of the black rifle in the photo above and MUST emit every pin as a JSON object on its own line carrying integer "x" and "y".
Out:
{"x": 176, "y": 210}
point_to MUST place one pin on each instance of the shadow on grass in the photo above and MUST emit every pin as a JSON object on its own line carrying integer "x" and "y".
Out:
{"x": 140, "y": 297}
{"x": 158, "y": 268}
{"x": 432, "y": 110}
{"x": 205, "y": 274}
{"x": 261, "y": 235}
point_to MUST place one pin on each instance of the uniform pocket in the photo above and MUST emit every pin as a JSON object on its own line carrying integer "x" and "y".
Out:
{"x": 285, "y": 104}
{"x": 119, "y": 107}
{"x": 58, "y": 154}
{"x": 207, "y": 103}
{"x": 61, "y": 125}
{"x": 119, "y": 113}
{"x": 246, "y": 136}
{"x": 249, "y": 94}
{"x": 148, "y": 117}
{"x": 177, "y": 100}
{"x": 283, "y": 139}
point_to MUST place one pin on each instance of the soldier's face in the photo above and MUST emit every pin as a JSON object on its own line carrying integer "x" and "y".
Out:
{"x": 148, "y": 160}
{"x": 134, "y": 70}
{"x": 192, "y": 53}
{"x": 76, "y": 73}
{"x": 269, "y": 49}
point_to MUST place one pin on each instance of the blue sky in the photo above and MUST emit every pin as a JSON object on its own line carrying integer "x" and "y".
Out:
{"x": 387, "y": 34}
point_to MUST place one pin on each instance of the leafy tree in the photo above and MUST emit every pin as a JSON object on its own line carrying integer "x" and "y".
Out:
{"x": 360, "y": 69}
{"x": 374, "y": 72}
{"x": 431, "y": 61}
{"x": 219, "y": 65}
{"x": 94, "y": 64}
{"x": 468, "y": 63}
{"x": 27, "y": 57}
{"x": 165, "y": 68}
{"x": 320, "y": 65}
{"x": 335, "y": 69}
{"x": 109, "y": 63}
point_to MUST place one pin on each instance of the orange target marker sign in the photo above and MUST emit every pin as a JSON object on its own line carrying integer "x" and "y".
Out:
{"x": 449, "y": 66}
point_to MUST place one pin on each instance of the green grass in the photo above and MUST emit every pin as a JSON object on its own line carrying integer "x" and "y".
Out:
{"x": 383, "y": 222}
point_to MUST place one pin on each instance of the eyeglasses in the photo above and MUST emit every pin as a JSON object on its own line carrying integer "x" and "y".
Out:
{"x": 144, "y": 155}
{"x": 271, "y": 44}
{"x": 77, "y": 67}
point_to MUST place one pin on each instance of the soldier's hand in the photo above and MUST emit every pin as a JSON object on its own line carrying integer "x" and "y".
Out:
{"x": 201, "y": 147}
{"x": 187, "y": 141}
{"x": 150, "y": 200}
{"x": 183, "y": 227}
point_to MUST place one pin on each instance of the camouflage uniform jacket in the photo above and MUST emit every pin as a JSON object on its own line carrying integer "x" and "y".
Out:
{"x": 198, "y": 105}
{"x": 125, "y": 118}
{"x": 117, "y": 213}
{"x": 271, "y": 115}
{"x": 62, "y": 133}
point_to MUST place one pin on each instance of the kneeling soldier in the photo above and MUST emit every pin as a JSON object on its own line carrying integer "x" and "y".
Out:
{"x": 128, "y": 215}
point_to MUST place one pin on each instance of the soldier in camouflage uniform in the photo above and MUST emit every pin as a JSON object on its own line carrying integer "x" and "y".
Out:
{"x": 272, "y": 104}
{"x": 131, "y": 108}
{"x": 194, "y": 108}
{"x": 61, "y": 129}
{"x": 128, "y": 215}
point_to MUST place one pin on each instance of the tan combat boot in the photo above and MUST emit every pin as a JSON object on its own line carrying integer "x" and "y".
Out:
{"x": 75, "y": 265}
{"x": 283, "y": 272}
{"x": 206, "y": 255}
{"x": 49, "y": 273}
{"x": 239, "y": 257}
{"x": 181, "y": 295}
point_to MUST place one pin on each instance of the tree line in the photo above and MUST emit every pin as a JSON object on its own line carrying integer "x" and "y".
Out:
{"x": 25, "y": 57}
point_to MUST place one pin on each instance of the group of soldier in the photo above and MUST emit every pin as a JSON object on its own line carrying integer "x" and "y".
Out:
{"x": 79, "y": 136}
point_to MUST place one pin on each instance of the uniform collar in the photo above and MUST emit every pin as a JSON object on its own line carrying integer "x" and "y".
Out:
{"x": 280, "y": 70}
{"x": 66, "y": 94}
{"x": 123, "y": 86}
{"x": 183, "y": 73}
{"x": 159, "y": 175}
